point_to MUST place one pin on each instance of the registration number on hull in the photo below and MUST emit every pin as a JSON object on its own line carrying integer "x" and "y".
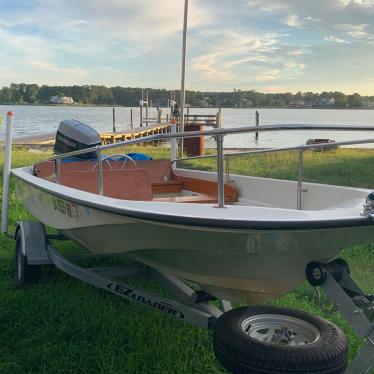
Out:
{"x": 65, "y": 207}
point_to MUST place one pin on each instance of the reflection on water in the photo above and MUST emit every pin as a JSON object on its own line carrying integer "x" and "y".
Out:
{"x": 35, "y": 120}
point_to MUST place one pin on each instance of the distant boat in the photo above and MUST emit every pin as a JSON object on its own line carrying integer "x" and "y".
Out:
{"x": 322, "y": 141}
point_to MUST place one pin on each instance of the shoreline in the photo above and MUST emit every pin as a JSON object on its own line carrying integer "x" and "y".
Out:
{"x": 42, "y": 139}
{"x": 191, "y": 107}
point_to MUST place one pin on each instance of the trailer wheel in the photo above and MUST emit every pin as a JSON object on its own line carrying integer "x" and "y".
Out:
{"x": 24, "y": 273}
{"x": 268, "y": 339}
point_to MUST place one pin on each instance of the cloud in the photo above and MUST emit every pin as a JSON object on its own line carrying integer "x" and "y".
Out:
{"x": 140, "y": 20}
{"x": 242, "y": 42}
{"x": 335, "y": 39}
{"x": 239, "y": 58}
{"x": 268, "y": 75}
{"x": 269, "y": 7}
{"x": 297, "y": 52}
{"x": 355, "y": 31}
{"x": 293, "y": 20}
{"x": 231, "y": 50}
{"x": 294, "y": 66}
{"x": 76, "y": 37}
{"x": 359, "y": 32}
{"x": 245, "y": 60}
{"x": 358, "y": 3}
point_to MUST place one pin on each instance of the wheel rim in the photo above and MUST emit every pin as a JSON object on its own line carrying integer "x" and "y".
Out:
{"x": 282, "y": 330}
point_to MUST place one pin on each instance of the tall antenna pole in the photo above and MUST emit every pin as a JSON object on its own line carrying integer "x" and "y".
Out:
{"x": 183, "y": 79}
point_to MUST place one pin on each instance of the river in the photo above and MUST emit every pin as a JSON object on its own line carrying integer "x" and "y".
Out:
{"x": 38, "y": 120}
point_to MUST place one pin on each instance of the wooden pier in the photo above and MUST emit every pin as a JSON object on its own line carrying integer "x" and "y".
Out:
{"x": 141, "y": 132}
{"x": 192, "y": 121}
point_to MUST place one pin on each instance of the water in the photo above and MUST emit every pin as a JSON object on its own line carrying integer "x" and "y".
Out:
{"x": 37, "y": 120}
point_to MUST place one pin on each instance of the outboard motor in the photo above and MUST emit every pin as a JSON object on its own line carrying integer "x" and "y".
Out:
{"x": 73, "y": 135}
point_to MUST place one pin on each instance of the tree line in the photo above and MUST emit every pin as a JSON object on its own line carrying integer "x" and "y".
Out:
{"x": 22, "y": 93}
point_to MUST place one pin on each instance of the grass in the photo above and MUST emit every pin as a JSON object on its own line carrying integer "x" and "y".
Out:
{"x": 65, "y": 326}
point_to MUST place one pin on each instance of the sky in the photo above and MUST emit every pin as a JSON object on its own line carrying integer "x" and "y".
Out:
{"x": 266, "y": 45}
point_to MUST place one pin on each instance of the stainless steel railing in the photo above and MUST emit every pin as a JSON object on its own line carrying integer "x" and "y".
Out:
{"x": 218, "y": 134}
{"x": 301, "y": 149}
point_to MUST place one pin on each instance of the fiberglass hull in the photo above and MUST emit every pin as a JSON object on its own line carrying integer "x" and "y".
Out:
{"x": 250, "y": 261}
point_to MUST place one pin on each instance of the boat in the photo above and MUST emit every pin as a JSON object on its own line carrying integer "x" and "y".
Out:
{"x": 322, "y": 141}
{"x": 239, "y": 238}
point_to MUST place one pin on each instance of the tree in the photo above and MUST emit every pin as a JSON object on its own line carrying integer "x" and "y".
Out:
{"x": 355, "y": 101}
{"x": 31, "y": 93}
{"x": 101, "y": 95}
{"x": 340, "y": 99}
{"x": 80, "y": 93}
{"x": 5, "y": 95}
{"x": 130, "y": 96}
{"x": 16, "y": 94}
{"x": 45, "y": 93}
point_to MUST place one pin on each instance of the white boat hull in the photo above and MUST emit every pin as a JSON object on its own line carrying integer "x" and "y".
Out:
{"x": 246, "y": 264}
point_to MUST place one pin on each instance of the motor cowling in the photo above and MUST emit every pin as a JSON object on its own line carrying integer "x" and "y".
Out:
{"x": 73, "y": 135}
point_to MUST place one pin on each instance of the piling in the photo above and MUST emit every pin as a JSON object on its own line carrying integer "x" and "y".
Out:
{"x": 141, "y": 113}
{"x": 257, "y": 123}
{"x": 219, "y": 119}
{"x": 114, "y": 120}
{"x": 146, "y": 109}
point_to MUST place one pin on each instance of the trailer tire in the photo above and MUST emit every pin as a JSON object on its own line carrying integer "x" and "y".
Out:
{"x": 240, "y": 347}
{"x": 24, "y": 273}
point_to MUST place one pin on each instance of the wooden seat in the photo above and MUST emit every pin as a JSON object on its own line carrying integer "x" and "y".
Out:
{"x": 206, "y": 189}
{"x": 167, "y": 187}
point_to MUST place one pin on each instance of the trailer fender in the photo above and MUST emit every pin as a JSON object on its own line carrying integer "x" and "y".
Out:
{"x": 33, "y": 242}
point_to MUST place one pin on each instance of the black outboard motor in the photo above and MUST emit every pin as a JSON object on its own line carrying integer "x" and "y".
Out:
{"x": 73, "y": 135}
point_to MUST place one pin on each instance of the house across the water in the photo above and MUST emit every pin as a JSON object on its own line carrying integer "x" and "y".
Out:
{"x": 61, "y": 100}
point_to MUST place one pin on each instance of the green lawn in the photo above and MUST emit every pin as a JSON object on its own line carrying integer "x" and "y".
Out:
{"x": 65, "y": 326}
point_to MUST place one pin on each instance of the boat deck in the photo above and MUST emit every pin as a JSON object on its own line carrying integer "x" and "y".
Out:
{"x": 146, "y": 181}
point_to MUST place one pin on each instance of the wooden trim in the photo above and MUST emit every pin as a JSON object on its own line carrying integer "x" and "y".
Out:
{"x": 204, "y": 199}
{"x": 208, "y": 188}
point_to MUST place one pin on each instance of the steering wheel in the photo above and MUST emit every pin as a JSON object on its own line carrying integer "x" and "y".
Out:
{"x": 107, "y": 158}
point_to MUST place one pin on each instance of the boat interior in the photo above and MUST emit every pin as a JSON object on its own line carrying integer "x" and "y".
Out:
{"x": 157, "y": 181}
{"x": 145, "y": 180}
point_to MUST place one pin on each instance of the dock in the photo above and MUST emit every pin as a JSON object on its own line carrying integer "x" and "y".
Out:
{"x": 140, "y": 132}
{"x": 193, "y": 121}
{"x": 149, "y": 128}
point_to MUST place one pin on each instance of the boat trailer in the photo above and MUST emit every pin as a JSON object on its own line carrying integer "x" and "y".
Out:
{"x": 34, "y": 248}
